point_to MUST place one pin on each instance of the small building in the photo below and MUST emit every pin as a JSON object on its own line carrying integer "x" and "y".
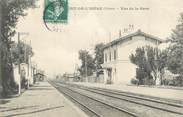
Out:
{"x": 39, "y": 77}
{"x": 72, "y": 77}
{"x": 117, "y": 65}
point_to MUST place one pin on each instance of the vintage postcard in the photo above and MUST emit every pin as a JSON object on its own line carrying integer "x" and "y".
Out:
{"x": 91, "y": 58}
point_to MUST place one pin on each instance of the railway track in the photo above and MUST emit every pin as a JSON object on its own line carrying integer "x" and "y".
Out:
{"x": 85, "y": 108}
{"x": 157, "y": 104}
{"x": 171, "y": 109}
{"x": 93, "y": 107}
{"x": 139, "y": 97}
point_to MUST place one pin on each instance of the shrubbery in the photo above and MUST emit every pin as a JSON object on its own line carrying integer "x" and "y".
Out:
{"x": 134, "y": 81}
{"x": 109, "y": 82}
{"x": 178, "y": 81}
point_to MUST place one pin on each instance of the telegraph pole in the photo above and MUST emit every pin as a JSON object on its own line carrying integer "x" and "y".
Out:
{"x": 0, "y": 45}
{"x": 26, "y": 57}
{"x": 120, "y": 35}
{"x": 19, "y": 83}
{"x": 19, "y": 62}
{"x": 86, "y": 70}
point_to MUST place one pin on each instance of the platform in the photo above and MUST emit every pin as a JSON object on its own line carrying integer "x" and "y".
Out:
{"x": 41, "y": 100}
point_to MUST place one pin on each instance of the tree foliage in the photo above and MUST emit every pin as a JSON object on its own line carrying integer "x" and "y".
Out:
{"x": 139, "y": 59}
{"x": 87, "y": 63}
{"x": 99, "y": 57}
{"x": 177, "y": 33}
{"x": 154, "y": 61}
{"x": 10, "y": 11}
{"x": 150, "y": 61}
{"x": 21, "y": 53}
{"x": 175, "y": 57}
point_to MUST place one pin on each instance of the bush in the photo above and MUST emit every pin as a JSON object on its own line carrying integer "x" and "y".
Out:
{"x": 134, "y": 81}
{"x": 109, "y": 82}
{"x": 148, "y": 81}
{"x": 178, "y": 81}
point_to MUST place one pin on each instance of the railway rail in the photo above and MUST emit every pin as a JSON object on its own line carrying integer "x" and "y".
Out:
{"x": 98, "y": 108}
{"x": 170, "y": 108}
{"x": 157, "y": 104}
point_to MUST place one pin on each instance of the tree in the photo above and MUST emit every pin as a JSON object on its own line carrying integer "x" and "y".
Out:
{"x": 177, "y": 33}
{"x": 175, "y": 57}
{"x": 157, "y": 60}
{"x": 99, "y": 57}
{"x": 151, "y": 63}
{"x": 87, "y": 63}
{"x": 139, "y": 59}
{"x": 21, "y": 53}
{"x": 10, "y": 12}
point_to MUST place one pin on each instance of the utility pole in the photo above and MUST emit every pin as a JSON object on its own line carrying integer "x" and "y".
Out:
{"x": 0, "y": 45}
{"x": 26, "y": 62}
{"x": 86, "y": 70}
{"x": 156, "y": 65}
{"x": 120, "y": 35}
{"x": 110, "y": 37}
{"x": 19, "y": 83}
{"x": 30, "y": 65}
{"x": 33, "y": 71}
{"x": 19, "y": 62}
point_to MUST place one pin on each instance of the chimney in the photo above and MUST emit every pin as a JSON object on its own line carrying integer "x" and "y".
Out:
{"x": 120, "y": 34}
{"x": 139, "y": 30}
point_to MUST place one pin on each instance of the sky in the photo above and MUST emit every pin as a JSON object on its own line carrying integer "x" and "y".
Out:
{"x": 57, "y": 52}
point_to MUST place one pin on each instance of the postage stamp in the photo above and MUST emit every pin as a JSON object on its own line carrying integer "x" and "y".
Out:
{"x": 56, "y": 11}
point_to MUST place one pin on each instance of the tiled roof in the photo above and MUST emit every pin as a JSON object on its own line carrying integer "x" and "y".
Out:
{"x": 138, "y": 32}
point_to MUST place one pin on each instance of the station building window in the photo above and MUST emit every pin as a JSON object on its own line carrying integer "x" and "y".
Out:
{"x": 115, "y": 54}
{"x": 105, "y": 57}
{"x": 110, "y": 56}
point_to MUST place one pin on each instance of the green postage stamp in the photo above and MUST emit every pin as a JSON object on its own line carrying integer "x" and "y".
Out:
{"x": 56, "y": 11}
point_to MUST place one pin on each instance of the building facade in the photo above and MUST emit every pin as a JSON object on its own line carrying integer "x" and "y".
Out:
{"x": 117, "y": 66}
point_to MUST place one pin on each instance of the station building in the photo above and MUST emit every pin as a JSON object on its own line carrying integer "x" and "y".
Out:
{"x": 117, "y": 66}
